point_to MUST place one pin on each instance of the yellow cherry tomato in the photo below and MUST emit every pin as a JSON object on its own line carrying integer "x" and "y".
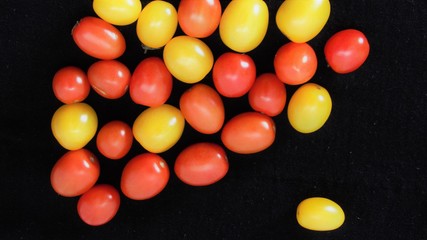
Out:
{"x": 188, "y": 59}
{"x": 309, "y": 108}
{"x": 320, "y": 214}
{"x": 157, "y": 24}
{"x": 301, "y": 20}
{"x": 244, "y": 24}
{"x": 158, "y": 128}
{"x": 118, "y": 12}
{"x": 74, "y": 125}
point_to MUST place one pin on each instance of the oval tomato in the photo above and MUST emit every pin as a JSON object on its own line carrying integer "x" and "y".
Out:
{"x": 199, "y": 18}
{"x": 109, "y": 78}
{"x": 114, "y": 139}
{"x": 118, "y": 12}
{"x": 70, "y": 85}
{"x": 320, "y": 214}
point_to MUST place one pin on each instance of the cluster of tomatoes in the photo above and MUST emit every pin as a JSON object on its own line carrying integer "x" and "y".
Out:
{"x": 242, "y": 27}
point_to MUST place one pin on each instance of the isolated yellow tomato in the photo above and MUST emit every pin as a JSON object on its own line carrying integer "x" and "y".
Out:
{"x": 309, "y": 108}
{"x": 157, "y": 24}
{"x": 301, "y": 20}
{"x": 320, "y": 214}
{"x": 118, "y": 12}
{"x": 158, "y": 128}
{"x": 188, "y": 59}
{"x": 244, "y": 24}
{"x": 74, "y": 125}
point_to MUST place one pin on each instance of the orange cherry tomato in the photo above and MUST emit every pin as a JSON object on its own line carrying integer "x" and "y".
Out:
{"x": 70, "y": 85}
{"x": 199, "y": 18}
{"x": 114, "y": 139}
{"x": 109, "y": 78}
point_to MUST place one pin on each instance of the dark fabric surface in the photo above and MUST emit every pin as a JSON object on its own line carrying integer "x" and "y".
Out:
{"x": 370, "y": 156}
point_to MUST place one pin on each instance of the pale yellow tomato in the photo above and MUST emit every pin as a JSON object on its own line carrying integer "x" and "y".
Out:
{"x": 301, "y": 20}
{"x": 157, "y": 24}
{"x": 157, "y": 129}
{"x": 244, "y": 24}
{"x": 188, "y": 59}
{"x": 118, "y": 12}
{"x": 320, "y": 214}
{"x": 309, "y": 108}
{"x": 74, "y": 125}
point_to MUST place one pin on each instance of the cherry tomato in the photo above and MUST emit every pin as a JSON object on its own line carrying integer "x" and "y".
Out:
{"x": 188, "y": 59}
{"x": 118, "y": 12}
{"x": 244, "y": 24}
{"x": 109, "y": 78}
{"x": 320, "y": 214}
{"x": 151, "y": 83}
{"x": 233, "y": 74}
{"x": 144, "y": 176}
{"x": 157, "y": 24}
{"x": 74, "y": 125}
{"x": 98, "y": 205}
{"x": 75, "y": 173}
{"x": 248, "y": 132}
{"x": 309, "y": 108}
{"x": 70, "y": 85}
{"x": 114, "y": 139}
{"x": 98, "y": 38}
{"x": 201, "y": 164}
{"x": 301, "y": 21}
{"x": 199, "y": 18}
{"x": 346, "y": 50}
{"x": 202, "y": 108}
{"x": 295, "y": 63}
{"x": 158, "y": 128}
{"x": 268, "y": 95}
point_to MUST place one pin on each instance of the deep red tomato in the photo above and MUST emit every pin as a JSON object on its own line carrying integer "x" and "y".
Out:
{"x": 202, "y": 108}
{"x": 346, "y": 50}
{"x": 70, "y": 85}
{"x": 144, "y": 176}
{"x": 248, "y": 132}
{"x": 75, "y": 173}
{"x": 151, "y": 83}
{"x": 199, "y": 18}
{"x": 98, "y": 205}
{"x": 295, "y": 63}
{"x": 201, "y": 164}
{"x": 268, "y": 95}
{"x": 114, "y": 139}
{"x": 233, "y": 74}
{"x": 98, "y": 38}
{"x": 109, "y": 78}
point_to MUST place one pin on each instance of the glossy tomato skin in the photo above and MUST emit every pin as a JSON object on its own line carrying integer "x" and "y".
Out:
{"x": 202, "y": 108}
{"x": 233, "y": 74}
{"x": 109, "y": 78}
{"x": 248, "y": 133}
{"x": 98, "y": 38}
{"x": 114, "y": 139}
{"x": 201, "y": 164}
{"x": 151, "y": 83}
{"x": 268, "y": 95}
{"x": 347, "y": 50}
{"x": 70, "y": 85}
{"x": 118, "y": 12}
{"x": 98, "y": 205}
{"x": 320, "y": 214}
{"x": 144, "y": 176}
{"x": 199, "y": 18}
{"x": 75, "y": 173}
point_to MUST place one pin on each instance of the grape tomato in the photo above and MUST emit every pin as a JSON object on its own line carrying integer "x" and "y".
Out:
{"x": 109, "y": 78}
{"x": 70, "y": 85}
{"x": 118, "y": 12}
{"x": 114, "y": 139}
{"x": 320, "y": 214}
{"x": 199, "y": 18}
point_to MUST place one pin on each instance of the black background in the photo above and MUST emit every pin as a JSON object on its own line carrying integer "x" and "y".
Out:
{"x": 370, "y": 156}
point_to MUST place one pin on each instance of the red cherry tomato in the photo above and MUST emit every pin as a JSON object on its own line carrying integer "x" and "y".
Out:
{"x": 233, "y": 74}
{"x": 268, "y": 95}
{"x": 75, "y": 173}
{"x": 70, "y": 85}
{"x": 109, "y": 78}
{"x": 346, "y": 50}
{"x": 151, "y": 83}
{"x": 199, "y": 18}
{"x": 202, "y": 108}
{"x": 201, "y": 164}
{"x": 98, "y": 205}
{"x": 295, "y": 63}
{"x": 248, "y": 132}
{"x": 114, "y": 139}
{"x": 98, "y": 38}
{"x": 144, "y": 176}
